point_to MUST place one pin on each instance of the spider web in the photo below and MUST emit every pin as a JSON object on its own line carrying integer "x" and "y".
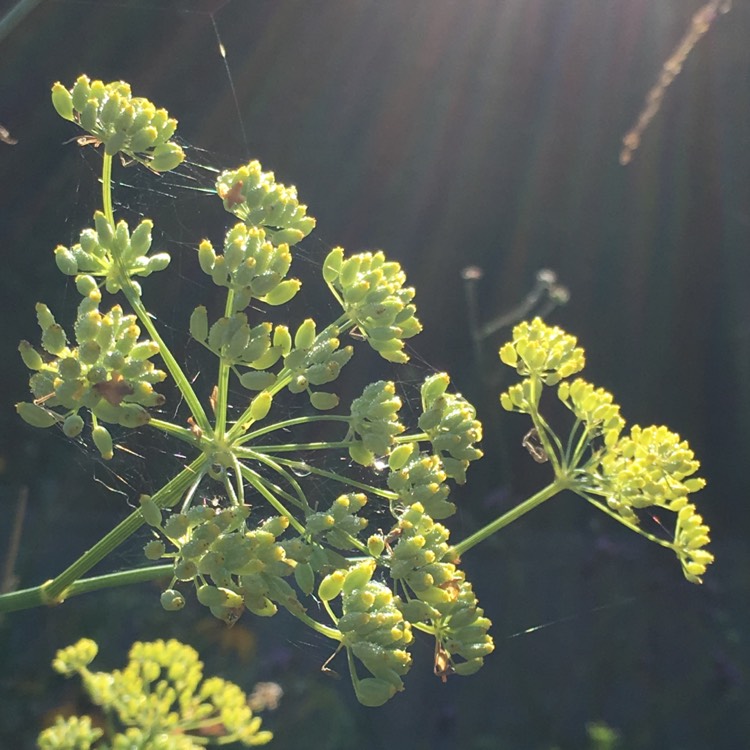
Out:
{"x": 185, "y": 208}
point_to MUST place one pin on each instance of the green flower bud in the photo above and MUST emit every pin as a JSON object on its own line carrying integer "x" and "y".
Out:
{"x": 283, "y": 292}
{"x": 199, "y": 324}
{"x": 103, "y": 442}
{"x": 305, "y": 577}
{"x": 434, "y": 387}
{"x": 260, "y": 406}
{"x": 360, "y": 454}
{"x": 187, "y": 569}
{"x": 282, "y": 340}
{"x": 418, "y": 611}
{"x": 36, "y": 416}
{"x": 374, "y": 692}
{"x": 469, "y": 667}
{"x": 330, "y": 587}
{"x": 132, "y": 415}
{"x": 53, "y": 339}
{"x": 257, "y": 380}
{"x": 150, "y": 510}
{"x": 166, "y": 157}
{"x": 30, "y": 356}
{"x": 324, "y": 401}
{"x": 62, "y": 101}
{"x": 358, "y": 576}
{"x": 305, "y": 335}
{"x": 44, "y": 316}
{"x": 72, "y": 426}
{"x": 85, "y": 285}
{"x": 156, "y": 262}
{"x": 154, "y": 550}
{"x": 399, "y": 456}
{"x": 206, "y": 257}
{"x": 143, "y": 139}
{"x": 332, "y": 264}
{"x": 76, "y": 657}
{"x": 144, "y": 350}
{"x": 176, "y": 526}
{"x": 376, "y": 545}
{"x": 172, "y": 600}
{"x": 66, "y": 261}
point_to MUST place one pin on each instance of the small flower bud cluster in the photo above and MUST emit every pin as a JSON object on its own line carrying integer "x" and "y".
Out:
{"x": 109, "y": 372}
{"x": 162, "y": 701}
{"x": 652, "y": 467}
{"x": 543, "y": 351}
{"x": 421, "y": 479}
{"x": 232, "y": 568}
{"x": 374, "y": 422}
{"x": 316, "y": 359}
{"x": 451, "y": 424}
{"x": 70, "y": 732}
{"x": 259, "y": 201}
{"x": 594, "y": 407}
{"x": 371, "y": 290}
{"x": 690, "y": 537}
{"x": 522, "y": 397}
{"x": 75, "y": 658}
{"x": 112, "y": 253}
{"x": 122, "y": 123}
{"x": 649, "y": 467}
{"x": 235, "y": 340}
{"x": 373, "y": 630}
{"x": 340, "y": 523}
{"x": 251, "y": 266}
{"x": 423, "y": 560}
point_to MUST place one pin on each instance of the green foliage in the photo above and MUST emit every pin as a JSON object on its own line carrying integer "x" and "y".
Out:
{"x": 237, "y": 526}
{"x": 159, "y": 701}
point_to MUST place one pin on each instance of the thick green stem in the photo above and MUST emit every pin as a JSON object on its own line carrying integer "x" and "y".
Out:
{"x": 37, "y": 596}
{"x": 133, "y": 297}
{"x": 58, "y": 589}
{"x": 512, "y": 515}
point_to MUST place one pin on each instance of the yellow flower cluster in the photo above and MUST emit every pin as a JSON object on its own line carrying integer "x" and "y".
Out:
{"x": 647, "y": 467}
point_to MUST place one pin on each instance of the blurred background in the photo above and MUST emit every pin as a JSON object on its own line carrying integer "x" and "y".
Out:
{"x": 450, "y": 133}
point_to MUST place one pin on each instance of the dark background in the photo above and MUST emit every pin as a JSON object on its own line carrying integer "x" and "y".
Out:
{"x": 449, "y": 133}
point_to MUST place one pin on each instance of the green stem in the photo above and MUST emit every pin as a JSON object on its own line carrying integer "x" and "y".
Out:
{"x": 58, "y": 589}
{"x": 318, "y": 627}
{"x": 294, "y": 447}
{"x": 222, "y": 379}
{"x": 134, "y": 300}
{"x": 301, "y": 499}
{"x": 291, "y": 423}
{"x": 628, "y": 524}
{"x": 387, "y": 494}
{"x": 514, "y": 514}
{"x": 181, "y": 433}
{"x": 259, "y": 483}
{"x": 37, "y": 596}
